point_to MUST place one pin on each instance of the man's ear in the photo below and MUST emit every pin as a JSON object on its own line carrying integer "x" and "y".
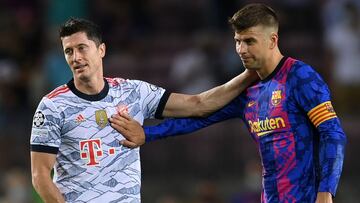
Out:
{"x": 102, "y": 49}
{"x": 273, "y": 40}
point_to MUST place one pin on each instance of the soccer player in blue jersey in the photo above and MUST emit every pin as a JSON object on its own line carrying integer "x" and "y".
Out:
{"x": 71, "y": 132}
{"x": 288, "y": 114}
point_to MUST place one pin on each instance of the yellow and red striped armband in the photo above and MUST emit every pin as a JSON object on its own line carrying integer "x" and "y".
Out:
{"x": 321, "y": 113}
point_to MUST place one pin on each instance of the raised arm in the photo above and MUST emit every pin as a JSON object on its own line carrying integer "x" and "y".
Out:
{"x": 41, "y": 166}
{"x": 205, "y": 103}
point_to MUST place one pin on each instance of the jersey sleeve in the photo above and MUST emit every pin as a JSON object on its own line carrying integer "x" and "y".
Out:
{"x": 46, "y": 127}
{"x": 180, "y": 126}
{"x": 313, "y": 96}
{"x": 152, "y": 98}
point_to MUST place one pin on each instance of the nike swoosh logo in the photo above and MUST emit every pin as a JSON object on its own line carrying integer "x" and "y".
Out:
{"x": 251, "y": 103}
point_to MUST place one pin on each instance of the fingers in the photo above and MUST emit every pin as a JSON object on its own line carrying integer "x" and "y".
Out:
{"x": 118, "y": 121}
{"x": 124, "y": 115}
{"x": 128, "y": 144}
{"x": 119, "y": 127}
{"x": 129, "y": 128}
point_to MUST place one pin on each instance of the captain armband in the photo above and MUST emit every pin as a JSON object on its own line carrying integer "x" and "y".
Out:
{"x": 321, "y": 113}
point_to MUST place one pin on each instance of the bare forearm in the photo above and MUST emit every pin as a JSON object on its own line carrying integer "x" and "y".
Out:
{"x": 48, "y": 191}
{"x": 219, "y": 96}
{"x": 205, "y": 103}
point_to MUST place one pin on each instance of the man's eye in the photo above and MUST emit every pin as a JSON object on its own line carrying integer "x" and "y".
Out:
{"x": 82, "y": 48}
{"x": 68, "y": 51}
{"x": 250, "y": 41}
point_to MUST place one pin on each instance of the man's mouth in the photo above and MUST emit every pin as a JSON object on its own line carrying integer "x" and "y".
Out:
{"x": 77, "y": 67}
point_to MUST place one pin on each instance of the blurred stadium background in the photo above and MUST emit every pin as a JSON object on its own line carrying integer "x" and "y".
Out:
{"x": 184, "y": 46}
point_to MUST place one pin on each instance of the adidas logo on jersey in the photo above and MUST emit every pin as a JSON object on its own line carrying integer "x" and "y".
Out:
{"x": 80, "y": 118}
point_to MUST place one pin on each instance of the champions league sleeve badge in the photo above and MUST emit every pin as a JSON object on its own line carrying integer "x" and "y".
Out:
{"x": 39, "y": 119}
{"x": 153, "y": 87}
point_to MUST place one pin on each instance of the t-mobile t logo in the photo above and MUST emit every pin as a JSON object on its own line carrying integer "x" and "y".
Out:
{"x": 91, "y": 151}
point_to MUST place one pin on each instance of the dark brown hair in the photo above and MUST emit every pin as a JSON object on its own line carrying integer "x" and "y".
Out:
{"x": 252, "y": 15}
{"x": 74, "y": 25}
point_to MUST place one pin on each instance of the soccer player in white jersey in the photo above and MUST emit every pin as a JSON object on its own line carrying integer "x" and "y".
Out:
{"x": 71, "y": 132}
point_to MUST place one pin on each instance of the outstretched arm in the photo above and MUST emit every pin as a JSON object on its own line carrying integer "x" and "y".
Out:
{"x": 135, "y": 137}
{"x": 205, "y": 103}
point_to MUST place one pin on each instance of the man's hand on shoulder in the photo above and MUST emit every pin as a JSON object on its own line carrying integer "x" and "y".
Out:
{"x": 129, "y": 128}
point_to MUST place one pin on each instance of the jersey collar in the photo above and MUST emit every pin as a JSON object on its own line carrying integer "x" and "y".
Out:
{"x": 94, "y": 97}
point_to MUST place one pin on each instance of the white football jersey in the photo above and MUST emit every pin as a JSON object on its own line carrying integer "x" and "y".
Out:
{"x": 91, "y": 165}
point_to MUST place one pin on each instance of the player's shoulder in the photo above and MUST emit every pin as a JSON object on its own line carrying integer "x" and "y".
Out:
{"x": 114, "y": 82}
{"x": 305, "y": 77}
{"x": 121, "y": 82}
{"x": 63, "y": 89}
{"x": 302, "y": 71}
{"x": 135, "y": 83}
{"x": 51, "y": 99}
{"x": 300, "y": 68}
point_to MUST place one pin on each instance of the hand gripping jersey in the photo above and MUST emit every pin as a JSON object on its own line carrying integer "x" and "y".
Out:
{"x": 290, "y": 117}
{"x": 90, "y": 165}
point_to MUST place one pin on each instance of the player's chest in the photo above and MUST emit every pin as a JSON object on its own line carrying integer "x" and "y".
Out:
{"x": 87, "y": 130}
{"x": 91, "y": 119}
{"x": 265, "y": 109}
{"x": 265, "y": 99}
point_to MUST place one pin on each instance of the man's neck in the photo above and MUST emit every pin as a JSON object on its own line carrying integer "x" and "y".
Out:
{"x": 270, "y": 65}
{"x": 90, "y": 87}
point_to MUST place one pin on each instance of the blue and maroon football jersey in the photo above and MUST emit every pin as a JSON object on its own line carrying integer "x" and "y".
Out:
{"x": 290, "y": 117}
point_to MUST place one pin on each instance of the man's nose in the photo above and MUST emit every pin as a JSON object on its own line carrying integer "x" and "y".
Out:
{"x": 76, "y": 56}
{"x": 241, "y": 48}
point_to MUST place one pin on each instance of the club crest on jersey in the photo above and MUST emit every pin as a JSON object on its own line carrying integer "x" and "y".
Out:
{"x": 122, "y": 108}
{"x": 101, "y": 118}
{"x": 39, "y": 119}
{"x": 276, "y": 97}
